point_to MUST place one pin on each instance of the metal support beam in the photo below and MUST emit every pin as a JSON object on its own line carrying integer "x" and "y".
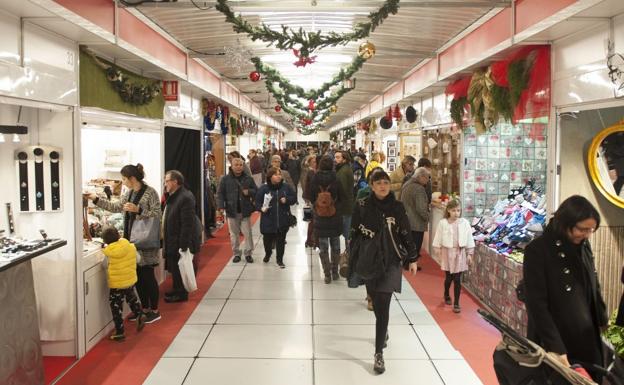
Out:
{"x": 304, "y": 5}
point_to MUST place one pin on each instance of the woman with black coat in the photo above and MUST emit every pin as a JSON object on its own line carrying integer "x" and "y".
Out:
{"x": 275, "y": 213}
{"x": 328, "y": 228}
{"x": 370, "y": 216}
{"x": 565, "y": 308}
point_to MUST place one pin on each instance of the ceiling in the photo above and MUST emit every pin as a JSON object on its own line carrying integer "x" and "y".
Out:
{"x": 415, "y": 33}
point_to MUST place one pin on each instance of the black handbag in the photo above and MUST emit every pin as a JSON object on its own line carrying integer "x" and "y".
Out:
{"x": 369, "y": 256}
{"x": 307, "y": 214}
{"x": 292, "y": 220}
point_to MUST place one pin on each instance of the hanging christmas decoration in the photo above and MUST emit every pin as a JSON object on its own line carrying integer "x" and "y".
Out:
{"x": 254, "y": 76}
{"x": 397, "y": 113}
{"x": 303, "y": 60}
{"x": 306, "y": 42}
{"x": 278, "y": 108}
{"x": 237, "y": 56}
{"x": 366, "y": 50}
{"x": 333, "y": 109}
{"x": 311, "y": 105}
{"x": 389, "y": 114}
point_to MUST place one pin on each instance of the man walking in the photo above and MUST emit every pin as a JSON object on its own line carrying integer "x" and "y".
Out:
{"x": 344, "y": 175}
{"x": 179, "y": 230}
{"x": 236, "y": 195}
{"x": 414, "y": 198}
{"x": 398, "y": 176}
{"x": 255, "y": 165}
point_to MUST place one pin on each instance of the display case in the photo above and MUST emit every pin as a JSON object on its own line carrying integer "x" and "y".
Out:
{"x": 444, "y": 150}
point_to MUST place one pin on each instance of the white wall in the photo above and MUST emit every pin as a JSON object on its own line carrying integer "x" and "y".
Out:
{"x": 54, "y": 272}
{"x": 319, "y": 136}
{"x": 580, "y": 73}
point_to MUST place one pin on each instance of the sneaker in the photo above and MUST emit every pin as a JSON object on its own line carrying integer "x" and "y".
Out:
{"x": 281, "y": 265}
{"x": 151, "y": 317}
{"x": 266, "y": 258}
{"x": 456, "y": 309}
{"x": 117, "y": 336}
{"x": 369, "y": 306}
{"x": 379, "y": 366}
{"x": 133, "y": 317}
{"x": 447, "y": 300}
{"x": 140, "y": 322}
{"x": 177, "y": 298}
{"x": 249, "y": 259}
{"x": 236, "y": 259}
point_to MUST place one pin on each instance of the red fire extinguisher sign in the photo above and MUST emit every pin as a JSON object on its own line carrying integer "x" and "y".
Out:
{"x": 170, "y": 90}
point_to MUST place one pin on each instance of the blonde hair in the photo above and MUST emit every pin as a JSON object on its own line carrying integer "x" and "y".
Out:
{"x": 382, "y": 157}
{"x": 376, "y": 156}
{"x": 453, "y": 203}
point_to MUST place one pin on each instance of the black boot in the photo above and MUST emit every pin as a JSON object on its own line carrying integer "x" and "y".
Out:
{"x": 324, "y": 256}
{"x": 335, "y": 262}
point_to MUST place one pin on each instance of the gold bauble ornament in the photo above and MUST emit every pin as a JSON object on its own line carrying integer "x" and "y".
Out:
{"x": 326, "y": 120}
{"x": 366, "y": 50}
{"x": 333, "y": 109}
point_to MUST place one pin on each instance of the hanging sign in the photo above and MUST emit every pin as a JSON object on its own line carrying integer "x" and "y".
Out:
{"x": 170, "y": 90}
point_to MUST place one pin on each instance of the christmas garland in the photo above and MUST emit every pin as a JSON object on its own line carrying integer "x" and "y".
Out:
{"x": 271, "y": 75}
{"x": 306, "y": 42}
{"x": 137, "y": 94}
{"x": 349, "y": 132}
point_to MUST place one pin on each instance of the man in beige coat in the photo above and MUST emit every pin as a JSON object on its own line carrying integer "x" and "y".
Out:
{"x": 414, "y": 198}
{"x": 398, "y": 176}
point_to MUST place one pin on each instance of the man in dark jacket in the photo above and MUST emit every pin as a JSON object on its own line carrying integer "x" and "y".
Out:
{"x": 293, "y": 165}
{"x": 255, "y": 165}
{"x": 179, "y": 230}
{"x": 236, "y": 194}
{"x": 328, "y": 228}
{"x": 344, "y": 175}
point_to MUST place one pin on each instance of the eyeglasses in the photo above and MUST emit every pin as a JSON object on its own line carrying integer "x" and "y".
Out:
{"x": 585, "y": 230}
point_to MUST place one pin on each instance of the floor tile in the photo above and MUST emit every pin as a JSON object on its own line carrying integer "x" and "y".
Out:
{"x": 456, "y": 372}
{"x": 337, "y": 290}
{"x": 272, "y": 272}
{"x": 206, "y": 312}
{"x": 189, "y": 341}
{"x": 250, "y": 372}
{"x": 416, "y": 312}
{"x": 346, "y": 342}
{"x": 221, "y": 288}
{"x": 247, "y": 289}
{"x": 169, "y": 371}
{"x": 271, "y": 312}
{"x": 360, "y": 372}
{"x": 352, "y": 313}
{"x": 435, "y": 342}
{"x": 269, "y": 341}
{"x": 406, "y": 292}
{"x": 231, "y": 271}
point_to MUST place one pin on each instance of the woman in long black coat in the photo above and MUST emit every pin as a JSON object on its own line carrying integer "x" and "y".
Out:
{"x": 369, "y": 217}
{"x": 564, "y": 305}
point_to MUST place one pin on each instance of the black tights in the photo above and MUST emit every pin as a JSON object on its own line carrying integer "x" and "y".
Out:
{"x": 456, "y": 277}
{"x": 381, "y": 306}
{"x": 147, "y": 287}
{"x": 279, "y": 239}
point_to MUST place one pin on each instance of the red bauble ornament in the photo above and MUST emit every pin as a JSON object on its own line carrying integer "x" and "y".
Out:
{"x": 254, "y": 76}
{"x": 278, "y": 108}
{"x": 311, "y": 105}
{"x": 389, "y": 114}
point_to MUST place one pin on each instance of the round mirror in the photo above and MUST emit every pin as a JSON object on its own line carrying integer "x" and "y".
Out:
{"x": 606, "y": 163}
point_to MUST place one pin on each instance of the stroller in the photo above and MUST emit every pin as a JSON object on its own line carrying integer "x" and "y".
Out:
{"x": 519, "y": 361}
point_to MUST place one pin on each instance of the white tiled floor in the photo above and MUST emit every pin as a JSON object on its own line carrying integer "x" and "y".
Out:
{"x": 259, "y": 324}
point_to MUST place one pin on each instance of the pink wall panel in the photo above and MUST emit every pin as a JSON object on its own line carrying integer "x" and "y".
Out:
{"x": 376, "y": 104}
{"x": 487, "y": 36}
{"x": 140, "y": 35}
{"x": 99, "y": 12}
{"x": 203, "y": 77}
{"x": 393, "y": 95}
{"x": 425, "y": 75}
{"x": 530, "y": 12}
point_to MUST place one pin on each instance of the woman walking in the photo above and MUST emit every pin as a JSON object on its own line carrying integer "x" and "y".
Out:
{"x": 371, "y": 216}
{"x": 139, "y": 202}
{"x": 310, "y": 165}
{"x": 273, "y": 200}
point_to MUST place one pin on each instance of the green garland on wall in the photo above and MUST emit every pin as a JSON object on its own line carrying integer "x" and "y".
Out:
{"x": 306, "y": 42}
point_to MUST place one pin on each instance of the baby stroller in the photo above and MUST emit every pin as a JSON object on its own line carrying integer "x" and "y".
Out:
{"x": 519, "y": 361}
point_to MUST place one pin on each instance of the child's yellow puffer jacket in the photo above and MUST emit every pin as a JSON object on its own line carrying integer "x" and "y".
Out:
{"x": 121, "y": 264}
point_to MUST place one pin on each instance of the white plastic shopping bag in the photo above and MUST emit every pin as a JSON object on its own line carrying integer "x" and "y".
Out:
{"x": 186, "y": 270}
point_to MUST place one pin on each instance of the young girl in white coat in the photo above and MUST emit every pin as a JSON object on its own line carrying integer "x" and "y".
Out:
{"x": 454, "y": 246}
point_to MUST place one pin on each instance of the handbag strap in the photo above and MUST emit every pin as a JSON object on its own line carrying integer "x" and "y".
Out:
{"x": 390, "y": 221}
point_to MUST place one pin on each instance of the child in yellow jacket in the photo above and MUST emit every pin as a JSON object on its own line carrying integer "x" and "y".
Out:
{"x": 121, "y": 272}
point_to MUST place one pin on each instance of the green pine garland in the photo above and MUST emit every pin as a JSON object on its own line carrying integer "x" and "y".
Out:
{"x": 306, "y": 42}
{"x": 458, "y": 110}
{"x": 518, "y": 78}
{"x": 501, "y": 98}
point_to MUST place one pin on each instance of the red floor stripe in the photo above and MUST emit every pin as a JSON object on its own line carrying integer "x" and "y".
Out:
{"x": 131, "y": 361}
{"x": 467, "y": 331}
{"x": 54, "y": 365}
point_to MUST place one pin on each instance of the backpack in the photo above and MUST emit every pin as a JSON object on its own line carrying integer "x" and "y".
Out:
{"x": 324, "y": 205}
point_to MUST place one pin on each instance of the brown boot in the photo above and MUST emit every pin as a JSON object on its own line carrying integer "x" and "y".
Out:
{"x": 326, "y": 266}
{"x": 370, "y": 303}
{"x": 335, "y": 262}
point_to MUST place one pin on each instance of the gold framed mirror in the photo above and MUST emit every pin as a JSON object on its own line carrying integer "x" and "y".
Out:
{"x": 605, "y": 160}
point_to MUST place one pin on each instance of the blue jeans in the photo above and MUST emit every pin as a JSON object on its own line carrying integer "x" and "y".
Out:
{"x": 346, "y": 227}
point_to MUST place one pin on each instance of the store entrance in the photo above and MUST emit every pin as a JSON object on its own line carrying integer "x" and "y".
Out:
{"x": 183, "y": 153}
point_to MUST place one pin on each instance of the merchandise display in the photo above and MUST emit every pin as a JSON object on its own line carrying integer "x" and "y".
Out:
{"x": 444, "y": 151}
{"x": 14, "y": 249}
{"x": 39, "y": 167}
{"x": 508, "y": 155}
